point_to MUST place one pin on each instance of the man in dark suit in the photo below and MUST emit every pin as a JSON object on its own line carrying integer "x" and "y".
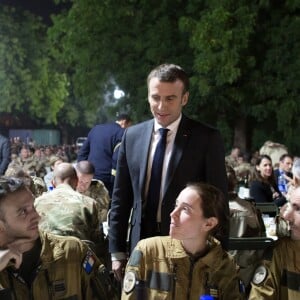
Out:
{"x": 194, "y": 152}
{"x": 283, "y": 174}
{"x": 101, "y": 147}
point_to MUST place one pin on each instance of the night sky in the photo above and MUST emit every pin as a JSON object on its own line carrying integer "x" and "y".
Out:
{"x": 39, "y": 7}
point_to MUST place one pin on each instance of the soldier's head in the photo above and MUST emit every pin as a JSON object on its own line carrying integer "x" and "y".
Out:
{"x": 292, "y": 215}
{"x": 24, "y": 153}
{"x": 85, "y": 172}
{"x": 200, "y": 210}
{"x": 54, "y": 161}
{"x": 65, "y": 173}
{"x": 18, "y": 217}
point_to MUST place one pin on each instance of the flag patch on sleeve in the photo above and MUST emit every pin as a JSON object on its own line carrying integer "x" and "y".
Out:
{"x": 88, "y": 262}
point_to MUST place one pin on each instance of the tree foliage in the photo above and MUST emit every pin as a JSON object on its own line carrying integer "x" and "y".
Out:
{"x": 246, "y": 60}
{"x": 29, "y": 82}
{"x": 105, "y": 44}
{"x": 243, "y": 58}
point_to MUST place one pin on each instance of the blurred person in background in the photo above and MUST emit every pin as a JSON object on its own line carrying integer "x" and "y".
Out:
{"x": 263, "y": 187}
{"x": 101, "y": 146}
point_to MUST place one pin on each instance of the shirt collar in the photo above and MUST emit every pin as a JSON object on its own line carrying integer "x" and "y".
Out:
{"x": 172, "y": 127}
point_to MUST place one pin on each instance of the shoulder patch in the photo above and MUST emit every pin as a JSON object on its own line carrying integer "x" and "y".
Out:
{"x": 135, "y": 258}
{"x": 88, "y": 262}
{"x": 129, "y": 282}
{"x": 260, "y": 275}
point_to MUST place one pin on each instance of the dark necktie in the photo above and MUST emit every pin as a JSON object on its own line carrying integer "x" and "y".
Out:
{"x": 155, "y": 184}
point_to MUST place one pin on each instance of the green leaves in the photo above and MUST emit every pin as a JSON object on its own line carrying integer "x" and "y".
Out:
{"x": 29, "y": 82}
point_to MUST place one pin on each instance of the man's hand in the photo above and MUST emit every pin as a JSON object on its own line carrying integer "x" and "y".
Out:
{"x": 118, "y": 267}
{"x": 10, "y": 255}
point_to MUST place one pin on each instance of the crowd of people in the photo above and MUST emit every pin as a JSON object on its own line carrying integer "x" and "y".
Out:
{"x": 170, "y": 198}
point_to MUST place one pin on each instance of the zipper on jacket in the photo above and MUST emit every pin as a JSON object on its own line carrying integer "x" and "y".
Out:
{"x": 192, "y": 264}
{"x": 174, "y": 282}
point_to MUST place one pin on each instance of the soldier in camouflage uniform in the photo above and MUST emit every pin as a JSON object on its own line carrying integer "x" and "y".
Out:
{"x": 29, "y": 164}
{"x": 64, "y": 211}
{"x": 93, "y": 188}
{"x": 39, "y": 265}
{"x": 35, "y": 184}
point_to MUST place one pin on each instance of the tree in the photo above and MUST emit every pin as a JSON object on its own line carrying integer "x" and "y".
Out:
{"x": 109, "y": 44}
{"x": 246, "y": 58}
{"x": 29, "y": 82}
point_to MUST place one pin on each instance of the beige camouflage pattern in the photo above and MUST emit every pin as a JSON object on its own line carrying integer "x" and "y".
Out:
{"x": 64, "y": 212}
{"x": 98, "y": 192}
{"x": 38, "y": 187}
{"x": 30, "y": 165}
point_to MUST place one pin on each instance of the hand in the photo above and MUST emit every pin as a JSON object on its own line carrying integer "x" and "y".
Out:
{"x": 10, "y": 255}
{"x": 118, "y": 267}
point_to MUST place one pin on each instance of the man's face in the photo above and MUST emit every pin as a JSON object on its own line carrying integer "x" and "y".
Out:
{"x": 287, "y": 164}
{"x": 19, "y": 218}
{"x": 166, "y": 100}
{"x": 24, "y": 153}
{"x": 292, "y": 214}
{"x": 84, "y": 182}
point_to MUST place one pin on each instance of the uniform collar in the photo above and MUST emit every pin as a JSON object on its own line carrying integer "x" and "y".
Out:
{"x": 175, "y": 250}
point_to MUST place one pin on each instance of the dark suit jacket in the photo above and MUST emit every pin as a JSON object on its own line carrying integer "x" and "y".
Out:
{"x": 99, "y": 150}
{"x": 263, "y": 192}
{"x": 197, "y": 155}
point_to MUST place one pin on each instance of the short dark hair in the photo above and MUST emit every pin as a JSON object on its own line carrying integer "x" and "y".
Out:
{"x": 123, "y": 116}
{"x": 170, "y": 73}
{"x": 85, "y": 167}
{"x": 283, "y": 156}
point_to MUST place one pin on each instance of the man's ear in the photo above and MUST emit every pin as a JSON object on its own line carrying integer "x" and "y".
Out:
{"x": 185, "y": 99}
{"x": 211, "y": 223}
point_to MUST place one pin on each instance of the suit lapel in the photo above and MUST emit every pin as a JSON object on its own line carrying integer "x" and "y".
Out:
{"x": 143, "y": 153}
{"x": 180, "y": 141}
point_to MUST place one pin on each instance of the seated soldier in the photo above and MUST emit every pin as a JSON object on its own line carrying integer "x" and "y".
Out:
{"x": 39, "y": 265}
{"x": 190, "y": 262}
{"x": 64, "y": 211}
{"x": 245, "y": 221}
{"x": 93, "y": 188}
{"x": 278, "y": 275}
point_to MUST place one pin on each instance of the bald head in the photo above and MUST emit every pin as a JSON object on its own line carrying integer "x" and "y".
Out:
{"x": 65, "y": 173}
